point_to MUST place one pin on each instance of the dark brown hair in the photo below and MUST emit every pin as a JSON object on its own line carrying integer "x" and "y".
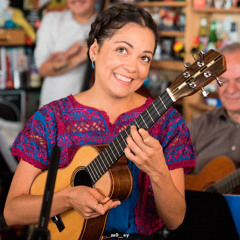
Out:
{"x": 117, "y": 16}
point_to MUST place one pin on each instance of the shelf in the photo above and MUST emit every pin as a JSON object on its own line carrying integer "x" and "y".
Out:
{"x": 215, "y": 10}
{"x": 162, "y": 4}
{"x": 169, "y": 64}
{"x": 200, "y": 107}
{"x": 27, "y": 89}
{"x": 171, "y": 34}
{"x": 12, "y": 37}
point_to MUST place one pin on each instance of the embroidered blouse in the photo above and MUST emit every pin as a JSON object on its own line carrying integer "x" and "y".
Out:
{"x": 69, "y": 125}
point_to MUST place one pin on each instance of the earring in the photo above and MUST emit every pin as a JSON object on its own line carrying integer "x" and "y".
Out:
{"x": 92, "y": 63}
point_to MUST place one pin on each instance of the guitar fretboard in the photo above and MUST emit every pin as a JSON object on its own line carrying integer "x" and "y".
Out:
{"x": 115, "y": 149}
{"x": 226, "y": 185}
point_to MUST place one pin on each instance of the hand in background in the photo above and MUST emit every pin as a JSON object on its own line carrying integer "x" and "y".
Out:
{"x": 62, "y": 62}
{"x": 75, "y": 49}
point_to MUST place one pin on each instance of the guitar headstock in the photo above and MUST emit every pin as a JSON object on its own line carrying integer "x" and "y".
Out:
{"x": 208, "y": 67}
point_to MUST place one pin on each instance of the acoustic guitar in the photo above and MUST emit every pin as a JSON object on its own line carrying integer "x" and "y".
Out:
{"x": 220, "y": 175}
{"x": 105, "y": 168}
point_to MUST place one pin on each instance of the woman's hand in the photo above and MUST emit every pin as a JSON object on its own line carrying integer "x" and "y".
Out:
{"x": 145, "y": 151}
{"x": 168, "y": 186}
{"x": 89, "y": 202}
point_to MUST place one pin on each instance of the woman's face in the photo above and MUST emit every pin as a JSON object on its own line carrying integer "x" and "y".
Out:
{"x": 81, "y": 7}
{"x": 122, "y": 63}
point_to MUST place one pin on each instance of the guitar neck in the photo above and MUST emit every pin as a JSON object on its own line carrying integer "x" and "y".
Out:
{"x": 115, "y": 149}
{"x": 226, "y": 185}
{"x": 195, "y": 77}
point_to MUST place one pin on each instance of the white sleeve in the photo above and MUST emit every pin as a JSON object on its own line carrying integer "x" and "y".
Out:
{"x": 45, "y": 39}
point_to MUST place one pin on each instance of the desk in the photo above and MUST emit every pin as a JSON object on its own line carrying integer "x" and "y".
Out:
{"x": 234, "y": 205}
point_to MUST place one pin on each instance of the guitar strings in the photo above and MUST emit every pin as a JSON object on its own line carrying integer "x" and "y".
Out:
{"x": 95, "y": 165}
{"x": 233, "y": 181}
{"x": 147, "y": 115}
{"x": 127, "y": 132}
{"x": 154, "y": 110}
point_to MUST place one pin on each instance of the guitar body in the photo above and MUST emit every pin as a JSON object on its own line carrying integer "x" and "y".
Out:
{"x": 215, "y": 170}
{"x": 115, "y": 183}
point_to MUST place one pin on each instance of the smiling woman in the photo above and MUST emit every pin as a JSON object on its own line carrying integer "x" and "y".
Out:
{"x": 127, "y": 70}
{"x": 142, "y": 193}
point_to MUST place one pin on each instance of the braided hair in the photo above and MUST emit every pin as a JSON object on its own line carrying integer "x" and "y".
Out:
{"x": 115, "y": 18}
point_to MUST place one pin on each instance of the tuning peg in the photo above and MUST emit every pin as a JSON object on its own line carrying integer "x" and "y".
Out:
{"x": 219, "y": 82}
{"x": 201, "y": 54}
{"x": 204, "y": 93}
{"x": 187, "y": 64}
{"x": 200, "y": 63}
{"x": 207, "y": 74}
{"x": 186, "y": 74}
{"x": 192, "y": 85}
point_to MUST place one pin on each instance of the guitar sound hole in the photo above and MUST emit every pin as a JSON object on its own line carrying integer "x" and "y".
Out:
{"x": 82, "y": 178}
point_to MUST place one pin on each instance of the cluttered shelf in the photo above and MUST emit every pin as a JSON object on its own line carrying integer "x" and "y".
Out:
{"x": 214, "y": 26}
{"x": 168, "y": 64}
{"x": 215, "y": 10}
{"x": 170, "y": 18}
{"x": 200, "y": 106}
{"x": 197, "y": 109}
{"x": 163, "y": 33}
{"x": 24, "y": 88}
{"x": 12, "y": 37}
{"x": 162, "y": 4}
